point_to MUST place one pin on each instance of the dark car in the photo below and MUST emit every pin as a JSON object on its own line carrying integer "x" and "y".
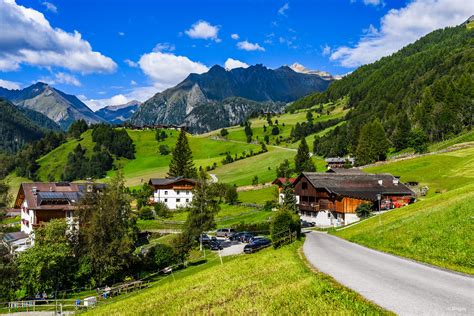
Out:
{"x": 204, "y": 239}
{"x": 305, "y": 224}
{"x": 241, "y": 236}
{"x": 256, "y": 245}
{"x": 215, "y": 245}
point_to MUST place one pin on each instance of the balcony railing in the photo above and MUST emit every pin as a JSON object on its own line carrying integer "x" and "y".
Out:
{"x": 314, "y": 207}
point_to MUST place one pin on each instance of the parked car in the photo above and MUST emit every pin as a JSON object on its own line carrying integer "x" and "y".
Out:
{"x": 205, "y": 239}
{"x": 241, "y": 236}
{"x": 225, "y": 232}
{"x": 215, "y": 245}
{"x": 253, "y": 238}
{"x": 305, "y": 224}
{"x": 257, "y": 244}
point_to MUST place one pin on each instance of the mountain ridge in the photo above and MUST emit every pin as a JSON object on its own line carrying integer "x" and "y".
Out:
{"x": 120, "y": 113}
{"x": 224, "y": 91}
{"x": 60, "y": 107}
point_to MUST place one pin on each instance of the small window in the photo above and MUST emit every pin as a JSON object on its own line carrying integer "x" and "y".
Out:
{"x": 166, "y": 192}
{"x": 187, "y": 192}
{"x": 329, "y": 215}
{"x": 178, "y": 200}
{"x": 177, "y": 192}
{"x": 304, "y": 185}
{"x": 166, "y": 200}
{"x": 187, "y": 200}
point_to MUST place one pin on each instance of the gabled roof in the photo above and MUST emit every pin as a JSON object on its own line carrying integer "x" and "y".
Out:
{"x": 361, "y": 186}
{"x": 281, "y": 181}
{"x": 40, "y": 195}
{"x": 168, "y": 181}
{"x": 345, "y": 171}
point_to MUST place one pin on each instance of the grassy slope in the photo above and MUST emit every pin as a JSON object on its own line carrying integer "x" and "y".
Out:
{"x": 270, "y": 282}
{"x": 437, "y": 230}
{"x": 441, "y": 172}
{"x": 259, "y": 196}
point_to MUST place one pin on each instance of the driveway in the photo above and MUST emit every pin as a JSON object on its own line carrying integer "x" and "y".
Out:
{"x": 399, "y": 285}
{"x": 231, "y": 247}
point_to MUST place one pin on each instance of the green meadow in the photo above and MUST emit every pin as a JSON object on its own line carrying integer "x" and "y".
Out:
{"x": 267, "y": 283}
{"x": 438, "y": 228}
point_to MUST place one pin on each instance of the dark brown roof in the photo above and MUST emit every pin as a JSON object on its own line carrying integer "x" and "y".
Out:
{"x": 65, "y": 195}
{"x": 345, "y": 171}
{"x": 281, "y": 181}
{"x": 362, "y": 186}
{"x": 168, "y": 181}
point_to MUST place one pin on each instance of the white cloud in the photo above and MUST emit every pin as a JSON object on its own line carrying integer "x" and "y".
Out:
{"x": 400, "y": 27}
{"x": 235, "y": 36}
{"x": 121, "y": 33}
{"x": 131, "y": 63}
{"x": 164, "y": 47}
{"x": 326, "y": 50}
{"x": 203, "y": 30}
{"x": 133, "y": 82}
{"x": 167, "y": 70}
{"x": 26, "y": 37}
{"x": 140, "y": 94}
{"x": 9, "y": 85}
{"x": 63, "y": 78}
{"x": 50, "y": 7}
{"x": 283, "y": 9}
{"x": 373, "y": 2}
{"x": 231, "y": 63}
{"x": 246, "y": 45}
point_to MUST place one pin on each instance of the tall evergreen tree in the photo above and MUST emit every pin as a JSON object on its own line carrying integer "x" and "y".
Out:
{"x": 289, "y": 197}
{"x": 182, "y": 164}
{"x": 400, "y": 137}
{"x": 108, "y": 233}
{"x": 372, "y": 145}
{"x": 303, "y": 160}
{"x": 203, "y": 208}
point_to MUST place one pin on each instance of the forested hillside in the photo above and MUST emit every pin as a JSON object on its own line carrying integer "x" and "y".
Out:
{"x": 16, "y": 129}
{"x": 423, "y": 93}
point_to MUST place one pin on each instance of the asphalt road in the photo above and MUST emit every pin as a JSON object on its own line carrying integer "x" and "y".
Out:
{"x": 399, "y": 285}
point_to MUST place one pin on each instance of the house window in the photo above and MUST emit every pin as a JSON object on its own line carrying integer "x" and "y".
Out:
{"x": 187, "y": 192}
{"x": 166, "y": 192}
{"x": 329, "y": 215}
{"x": 178, "y": 200}
{"x": 187, "y": 200}
{"x": 304, "y": 186}
{"x": 166, "y": 200}
{"x": 177, "y": 192}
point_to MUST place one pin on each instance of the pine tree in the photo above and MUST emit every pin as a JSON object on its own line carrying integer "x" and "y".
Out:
{"x": 182, "y": 164}
{"x": 401, "y": 134}
{"x": 372, "y": 145}
{"x": 303, "y": 162}
{"x": 289, "y": 197}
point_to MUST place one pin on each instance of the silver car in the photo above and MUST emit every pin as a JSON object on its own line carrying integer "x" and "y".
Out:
{"x": 225, "y": 232}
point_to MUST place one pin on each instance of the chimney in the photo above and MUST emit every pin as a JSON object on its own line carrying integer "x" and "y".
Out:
{"x": 35, "y": 190}
{"x": 380, "y": 182}
{"x": 395, "y": 181}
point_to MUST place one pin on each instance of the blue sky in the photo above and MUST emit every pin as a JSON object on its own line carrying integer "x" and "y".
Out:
{"x": 115, "y": 51}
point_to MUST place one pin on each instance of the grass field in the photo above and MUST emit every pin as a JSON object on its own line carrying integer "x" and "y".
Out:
{"x": 228, "y": 216}
{"x": 269, "y": 282}
{"x": 438, "y": 230}
{"x": 259, "y": 196}
{"x": 441, "y": 172}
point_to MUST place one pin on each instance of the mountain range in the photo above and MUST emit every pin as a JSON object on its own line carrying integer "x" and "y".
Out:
{"x": 118, "y": 114}
{"x": 220, "y": 97}
{"x": 60, "y": 107}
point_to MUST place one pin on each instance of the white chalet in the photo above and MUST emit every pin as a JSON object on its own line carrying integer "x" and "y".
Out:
{"x": 174, "y": 192}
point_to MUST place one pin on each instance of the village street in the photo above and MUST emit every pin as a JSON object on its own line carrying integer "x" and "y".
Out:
{"x": 399, "y": 285}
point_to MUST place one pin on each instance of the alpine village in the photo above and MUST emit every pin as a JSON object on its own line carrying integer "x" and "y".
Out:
{"x": 140, "y": 181}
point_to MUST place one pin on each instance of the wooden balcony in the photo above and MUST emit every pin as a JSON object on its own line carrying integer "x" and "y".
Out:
{"x": 314, "y": 207}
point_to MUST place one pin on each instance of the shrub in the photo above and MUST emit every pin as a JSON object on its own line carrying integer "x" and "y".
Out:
{"x": 364, "y": 210}
{"x": 255, "y": 180}
{"x": 162, "y": 210}
{"x": 269, "y": 205}
{"x": 165, "y": 256}
{"x": 224, "y": 132}
{"x": 259, "y": 227}
{"x": 164, "y": 150}
{"x": 146, "y": 213}
{"x": 283, "y": 225}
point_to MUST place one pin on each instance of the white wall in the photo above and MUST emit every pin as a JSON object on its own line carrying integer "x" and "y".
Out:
{"x": 170, "y": 197}
{"x": 28, "y": 215}
{"x": 324, "y": 218}
{"x": 351, "y": 218}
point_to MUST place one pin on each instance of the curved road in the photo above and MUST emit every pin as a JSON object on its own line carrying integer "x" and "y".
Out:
{"x": 399, "y": 285}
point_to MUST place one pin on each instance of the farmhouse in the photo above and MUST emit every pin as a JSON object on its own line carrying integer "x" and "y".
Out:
{"x": 174, "y": 192}
{"x": 339, "y": 162}
{"x": 331, "y": 198}
{"x": 280, "y": 182}
{"x": 40, "y": 202}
